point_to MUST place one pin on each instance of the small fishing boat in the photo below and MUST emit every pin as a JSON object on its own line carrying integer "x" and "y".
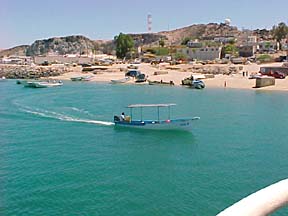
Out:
{"x": 160, "y": 82}
{"x": 2, "y": 78}
{"x": 76, "y": 78}
{"x": 46, "y": 84}
{"x": 82, "y": 78}
{"x": 119, "y": 81}
{"x": 42, "y": 84}
{"x": 157, "y": 124}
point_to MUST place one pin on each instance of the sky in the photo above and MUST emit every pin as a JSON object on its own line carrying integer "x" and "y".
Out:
{"x": 24, "y": 21}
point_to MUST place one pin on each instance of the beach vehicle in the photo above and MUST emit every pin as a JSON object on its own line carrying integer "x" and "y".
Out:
{"x": 198, "y": 84}
{"x": 156, "y": 124}
{"x": 131, "y": 66}
{"x": 119, "y": 81}
{"x": 133, "y": 73}
{"x": 140, "y": 78}
{"x": 255, "y": 76}
{"x": 276, "y": 72}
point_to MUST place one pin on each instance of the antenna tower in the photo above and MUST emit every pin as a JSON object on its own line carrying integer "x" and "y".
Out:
{"x": 149, "y": 23}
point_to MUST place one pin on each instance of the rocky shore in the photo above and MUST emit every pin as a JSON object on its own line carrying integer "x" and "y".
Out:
{"x": 31, "y": 72}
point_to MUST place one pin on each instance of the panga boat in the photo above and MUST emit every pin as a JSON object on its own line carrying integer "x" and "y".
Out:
{"x": 160, "y": 82}
{"x": 42, "y": 84}
{"x": 157, "y": 124}
{"x": 123, "y": 80}
{"x": 82, "y": 78}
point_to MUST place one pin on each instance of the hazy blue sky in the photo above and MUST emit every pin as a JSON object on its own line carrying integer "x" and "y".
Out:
{"x": 24, "y": 21}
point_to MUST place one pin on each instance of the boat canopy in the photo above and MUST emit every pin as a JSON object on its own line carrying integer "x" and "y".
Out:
{"x": 150, "y": 105}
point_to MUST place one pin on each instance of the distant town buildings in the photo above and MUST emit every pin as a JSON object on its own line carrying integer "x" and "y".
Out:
{"x": 19, "y": 60}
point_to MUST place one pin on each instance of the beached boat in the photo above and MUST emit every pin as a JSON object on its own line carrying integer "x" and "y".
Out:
{"x": 160, "y": 82}
{"x": 157, "y": 124}
{"x": 42, "y": 84}
{"x": 76, "y": 78}
{"x": 119, "y": 81}
{"x": 82, "y": 78}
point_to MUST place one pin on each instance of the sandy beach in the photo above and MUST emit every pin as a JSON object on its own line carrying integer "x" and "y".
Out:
{"x": 177, "y": 73}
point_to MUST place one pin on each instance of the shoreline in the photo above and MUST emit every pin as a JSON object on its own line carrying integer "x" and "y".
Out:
{"x": 177, "y": 73}
{"x": 230, "y": 76}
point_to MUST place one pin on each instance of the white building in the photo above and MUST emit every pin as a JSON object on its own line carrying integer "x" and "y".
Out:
{"x": 268, "y": 46}
{"x": 206, "y": 53}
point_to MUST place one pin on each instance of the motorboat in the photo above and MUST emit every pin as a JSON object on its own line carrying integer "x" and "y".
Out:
{"x": 76, "y": 78}
{"x": 156, "y": 124}
{"x": 42, "y": 84}
{"x": 160, "y": 82}
{"x": 82, "y": 78}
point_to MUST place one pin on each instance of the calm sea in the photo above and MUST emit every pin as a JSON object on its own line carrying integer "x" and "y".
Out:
{"x": 60, "y": 156}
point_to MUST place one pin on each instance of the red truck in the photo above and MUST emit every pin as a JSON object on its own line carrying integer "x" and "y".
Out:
{"x": 276, "y": 72}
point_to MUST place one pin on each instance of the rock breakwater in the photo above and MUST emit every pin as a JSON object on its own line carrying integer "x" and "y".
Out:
{"x": 31, "y": 72}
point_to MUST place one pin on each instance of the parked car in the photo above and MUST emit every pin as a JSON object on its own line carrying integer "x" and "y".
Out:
{"x": 275, "y": 74}
{"x": 255, "y": 76}
{"x": 278, "y": 75}
{"x": 131, "y": 66}
{"x": 133, "y": 73}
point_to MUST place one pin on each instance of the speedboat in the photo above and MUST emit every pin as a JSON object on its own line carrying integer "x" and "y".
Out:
{"x": 157, "y": 124}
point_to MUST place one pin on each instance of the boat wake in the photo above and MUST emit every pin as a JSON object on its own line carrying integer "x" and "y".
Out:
{"x": 62, "y": 117}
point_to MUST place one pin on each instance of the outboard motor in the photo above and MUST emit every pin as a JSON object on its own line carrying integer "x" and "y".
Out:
{"x": 116, "y": 118}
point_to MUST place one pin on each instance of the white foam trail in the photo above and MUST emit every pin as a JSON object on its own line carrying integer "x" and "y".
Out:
{"x": 82, "y": 111}
{"x": 91, "y": 121}
{"x": 47, "y": 114}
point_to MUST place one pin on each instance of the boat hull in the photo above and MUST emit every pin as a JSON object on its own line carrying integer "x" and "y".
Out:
{"x": 46, "y": 84}
{"x": 176, "y": 124}
{"x": 33, "y": 84}
{"x": 119, "y": 81}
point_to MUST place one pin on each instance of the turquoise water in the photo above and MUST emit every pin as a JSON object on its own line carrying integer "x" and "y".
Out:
{"x": 58, "y": 156}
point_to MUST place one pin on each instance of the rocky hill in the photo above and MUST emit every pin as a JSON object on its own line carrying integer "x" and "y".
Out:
{"x": 19, "y": 50}
{"x": 62, "y": 45}
{"x": 201, "y": 31}
{"x": 80, "y": 44}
